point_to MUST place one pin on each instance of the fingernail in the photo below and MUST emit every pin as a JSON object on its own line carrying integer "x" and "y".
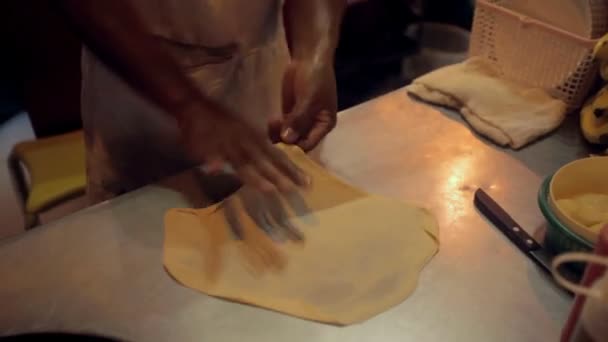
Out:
{"x": 266, "y": 187}
{"x": 214, "y": 167}
{"x": 289, "y": 136}
{"x": 285, "y": 187}
{"x": 307, "y": 181}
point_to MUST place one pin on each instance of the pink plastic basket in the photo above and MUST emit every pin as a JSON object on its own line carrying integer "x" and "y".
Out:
{"x": 534, "y": 53}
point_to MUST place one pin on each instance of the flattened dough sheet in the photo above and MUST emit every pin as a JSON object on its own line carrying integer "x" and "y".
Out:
{"x": 361, "y": 253}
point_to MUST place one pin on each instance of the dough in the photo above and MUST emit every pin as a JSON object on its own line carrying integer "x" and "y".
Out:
{"x": 507, "y": 113}
{"x": 590, "y": 210}
{"x": 360, "y": 254}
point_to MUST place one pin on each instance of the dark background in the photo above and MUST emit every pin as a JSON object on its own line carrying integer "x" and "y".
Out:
{"x": 40, "y": 59}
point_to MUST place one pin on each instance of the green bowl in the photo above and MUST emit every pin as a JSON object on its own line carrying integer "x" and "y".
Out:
{"x": 559, "y": 239}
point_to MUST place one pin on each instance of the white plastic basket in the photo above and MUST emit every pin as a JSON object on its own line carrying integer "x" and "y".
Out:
{"x": 534, "y": 53}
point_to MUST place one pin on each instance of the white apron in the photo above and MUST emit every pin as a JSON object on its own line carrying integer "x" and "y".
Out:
{"x": 235, "y": 52}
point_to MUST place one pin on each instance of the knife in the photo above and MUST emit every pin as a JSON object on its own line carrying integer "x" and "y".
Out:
{"x": 513, "y": 231}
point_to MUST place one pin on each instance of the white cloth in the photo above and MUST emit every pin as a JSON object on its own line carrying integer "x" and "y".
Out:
{"x": 507, "y": 113}
{"x": 234, "y": 50}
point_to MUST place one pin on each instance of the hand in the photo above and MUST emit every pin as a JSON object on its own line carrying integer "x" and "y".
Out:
{"x": 266, "y": 212}
{"x": 213, "y": 136}
{"x": 310, "y": 104}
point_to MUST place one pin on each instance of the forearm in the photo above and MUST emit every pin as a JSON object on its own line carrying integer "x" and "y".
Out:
{"x": 313, "y": 28}
{"x": 112, "y": 30}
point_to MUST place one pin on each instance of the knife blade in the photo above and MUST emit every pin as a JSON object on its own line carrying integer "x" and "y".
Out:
{"x": 519, "y": 237}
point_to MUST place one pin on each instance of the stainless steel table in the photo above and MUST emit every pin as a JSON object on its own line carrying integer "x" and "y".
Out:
{"x": 100, "y": 269}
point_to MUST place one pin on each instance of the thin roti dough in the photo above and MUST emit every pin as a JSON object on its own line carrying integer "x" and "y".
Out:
{"x": 361, "y": 255}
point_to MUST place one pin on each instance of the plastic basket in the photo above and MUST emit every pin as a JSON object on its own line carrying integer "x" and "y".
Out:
{"x": 533, "y": 53}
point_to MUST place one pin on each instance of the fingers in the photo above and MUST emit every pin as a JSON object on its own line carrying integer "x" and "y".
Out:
{"x": 323, "y": 126}
{"x": 254, "y": 159}
{"x": 276, "y": 215}
{"x": 306, "y": 126}
{"x": 273, "y": 174}
{"x": 267, "y": 169}
{"x": 232, "y": 219}
{"x": 297, "y": 123}
{"x": 274, "y": 129}
{"x": 214, "y": 165}
{"x": 249, "y": 174}
{"x": 286, "y": 167}
{"x": 269, "y": 213}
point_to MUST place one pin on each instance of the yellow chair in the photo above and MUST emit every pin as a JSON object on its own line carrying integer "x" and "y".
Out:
{"x": 47, "y": 172}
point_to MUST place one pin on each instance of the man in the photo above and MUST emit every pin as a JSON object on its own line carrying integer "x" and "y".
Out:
{"x": 168, "y": 84}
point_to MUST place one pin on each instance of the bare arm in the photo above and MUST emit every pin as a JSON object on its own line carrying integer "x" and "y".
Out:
{"x": 313, "y": 28}
{"x": 309, "y": 85}
{"x": 115, "y": 34}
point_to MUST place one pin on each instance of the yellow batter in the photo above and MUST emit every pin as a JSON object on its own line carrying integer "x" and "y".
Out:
{"x": 360, "y": 254}
{"x": 590, "y": 210}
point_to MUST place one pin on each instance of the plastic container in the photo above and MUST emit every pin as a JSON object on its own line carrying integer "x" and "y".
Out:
{"x": 559, "y": 238}
{"x": 534, "y": 53}
{"x": 588, "y": 175}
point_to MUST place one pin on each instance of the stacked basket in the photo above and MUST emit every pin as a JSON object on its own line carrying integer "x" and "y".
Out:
{"x": 537, "y": 50}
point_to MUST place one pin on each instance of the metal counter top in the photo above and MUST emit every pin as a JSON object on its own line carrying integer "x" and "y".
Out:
{"x": 100, "y": 270}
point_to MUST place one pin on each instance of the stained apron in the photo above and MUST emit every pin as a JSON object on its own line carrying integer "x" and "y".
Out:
{"x": 234, "y": 51}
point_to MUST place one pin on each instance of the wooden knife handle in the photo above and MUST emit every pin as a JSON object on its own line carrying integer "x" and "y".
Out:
{"x": 490, "y": 209}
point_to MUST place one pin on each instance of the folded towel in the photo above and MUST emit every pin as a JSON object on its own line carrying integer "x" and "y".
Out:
{"x": 507, "y": 113}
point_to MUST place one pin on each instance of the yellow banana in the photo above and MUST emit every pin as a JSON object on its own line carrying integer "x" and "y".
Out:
{"x": 594, "y": 118}
{"x": 594, "y": 115}
{"x": 600, "y": 51}
{"x": 604, "y": 70}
